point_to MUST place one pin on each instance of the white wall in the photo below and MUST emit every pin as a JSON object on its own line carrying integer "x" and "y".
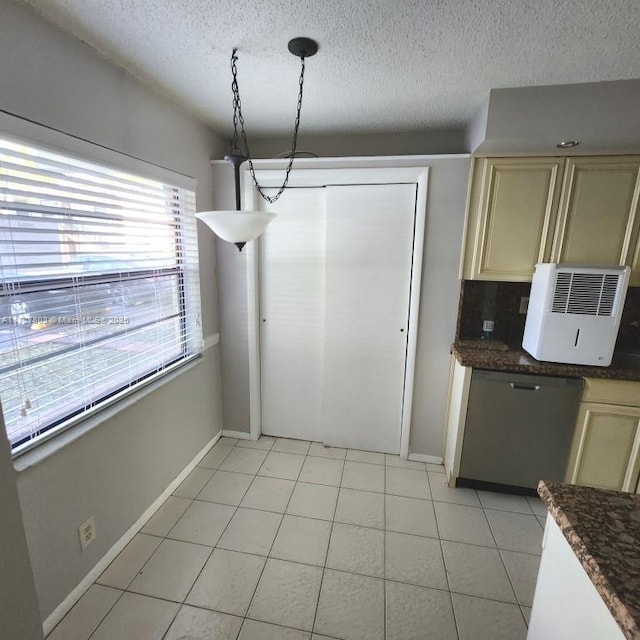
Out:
{"x": 446, "y": 200}
{"x": 448, "y": 181}
{"x": 234, "y": 347}
{"x": 114, "y": 473}
{"x": 117, "y": 470}
{"x": 361, "y": 144}
{"x": 19, "y": 616}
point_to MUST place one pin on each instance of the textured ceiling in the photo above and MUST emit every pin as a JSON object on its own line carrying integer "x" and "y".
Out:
{"x": 383, "y": 65}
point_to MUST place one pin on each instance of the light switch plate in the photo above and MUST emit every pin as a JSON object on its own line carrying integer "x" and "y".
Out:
{"x": 524, "y": 305}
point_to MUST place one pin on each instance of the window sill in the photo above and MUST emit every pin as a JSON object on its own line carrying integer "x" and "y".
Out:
{"x": 40, "y": 452}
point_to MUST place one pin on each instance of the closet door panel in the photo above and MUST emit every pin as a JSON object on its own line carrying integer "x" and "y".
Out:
{"x": 369, "y": 247}
{"x": 292, "y": 268}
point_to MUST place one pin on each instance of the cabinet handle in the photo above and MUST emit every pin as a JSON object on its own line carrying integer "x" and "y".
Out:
{"x": 524, "y": 387}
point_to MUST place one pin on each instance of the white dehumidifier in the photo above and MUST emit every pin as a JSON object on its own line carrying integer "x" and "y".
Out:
{"x": 574, "y": 313}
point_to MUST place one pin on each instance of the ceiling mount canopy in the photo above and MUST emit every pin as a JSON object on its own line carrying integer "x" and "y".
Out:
{"x": 241, "y": 226}
{"x": 303, "y": 47}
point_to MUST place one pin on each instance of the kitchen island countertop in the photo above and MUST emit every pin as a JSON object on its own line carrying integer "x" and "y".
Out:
{"x": 603, "y": 530}
{"x": 518, "y": 361}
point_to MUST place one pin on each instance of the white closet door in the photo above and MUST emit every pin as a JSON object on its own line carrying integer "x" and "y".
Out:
{"x": 292, "y": 272}
{"x": 369, "y": 250}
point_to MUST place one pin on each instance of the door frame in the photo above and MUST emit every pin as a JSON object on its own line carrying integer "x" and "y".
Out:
{"x": 313, "y": 172}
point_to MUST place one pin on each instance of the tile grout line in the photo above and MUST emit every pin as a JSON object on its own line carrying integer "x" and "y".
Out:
{"x": 253, "y": 595}
{"x": 216, "y": 543}
{"x": 211, "y": 471}
{"x": 255, "y": 475}
{"x": 266, "y": 558}
{"x": 182, "y": 604}
{"x": 306, "y": 564}
{"x": 364, "y": 526}
{"x": 500, "y": 550}
{"x": 215, "y": 471}
{"x": 326, "y": 555}
{"x": 505, "y": 566}
{"x": 444, "y": 563}
{"x": 519, "y": 604}
{"x": 456, "y": 504}
{"x": 122, "y": 592}
{"x": 163, "y": 538}
{"x": 415, "y": 535}
{"x": 384, "y": 555}
{"x": 324, "y": 567}
{"x": 352, "y": 573}
{"x": 140, "y": 570}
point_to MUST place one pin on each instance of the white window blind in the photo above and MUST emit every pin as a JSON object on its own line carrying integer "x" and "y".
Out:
{"x": 99, "y": 286}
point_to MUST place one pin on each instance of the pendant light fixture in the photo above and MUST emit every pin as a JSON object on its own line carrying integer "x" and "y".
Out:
{"x": 241, "y": 226}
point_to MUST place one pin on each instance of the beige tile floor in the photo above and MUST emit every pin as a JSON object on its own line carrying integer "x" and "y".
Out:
{"x": 288, "y": 540}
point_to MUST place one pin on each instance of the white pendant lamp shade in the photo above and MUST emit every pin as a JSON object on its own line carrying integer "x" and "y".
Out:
{"x": 239, "y": 226}
{"x": 236, "y": 226}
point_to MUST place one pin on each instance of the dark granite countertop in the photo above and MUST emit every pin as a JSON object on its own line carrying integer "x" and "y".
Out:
{"x": 603, "y": 529}
{"x": 518, "y": 361}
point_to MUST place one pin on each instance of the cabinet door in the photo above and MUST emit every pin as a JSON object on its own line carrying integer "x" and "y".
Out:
{"x": 598, "y": 216}
{"x": 513, "y": 205}
{"x": 604, "y": 453}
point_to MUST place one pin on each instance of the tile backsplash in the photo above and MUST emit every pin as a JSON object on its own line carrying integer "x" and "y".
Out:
{"x": 629, "y": 334}
{"x": 500, "y": 302}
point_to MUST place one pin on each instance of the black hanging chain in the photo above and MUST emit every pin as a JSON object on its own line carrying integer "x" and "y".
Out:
{"x": 238, "y": 118}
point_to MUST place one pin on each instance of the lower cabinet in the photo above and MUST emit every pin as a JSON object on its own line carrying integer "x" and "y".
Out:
{"x": 605, "y": 452}
{"x": 566, "y": 603}
{"x": 459, "y": 385}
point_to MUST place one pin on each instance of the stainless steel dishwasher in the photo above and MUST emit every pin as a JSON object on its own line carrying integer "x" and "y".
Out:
{"x": 518, "y": 429}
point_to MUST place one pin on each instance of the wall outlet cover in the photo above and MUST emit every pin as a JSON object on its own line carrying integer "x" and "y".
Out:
{"x": 87, "y": 531}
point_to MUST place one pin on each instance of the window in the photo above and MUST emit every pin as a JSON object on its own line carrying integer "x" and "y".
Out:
{"x": 99, "y": 286}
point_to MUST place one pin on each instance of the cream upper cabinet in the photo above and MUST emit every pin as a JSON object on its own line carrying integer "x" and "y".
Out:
{"x": 551, "y": 209}
{"x": 605, "y": 452}
{"x": 511, "y": 217}
{"x": 598, "y": 218}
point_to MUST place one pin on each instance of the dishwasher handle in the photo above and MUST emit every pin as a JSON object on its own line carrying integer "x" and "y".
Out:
{"x": 524, "y": 387}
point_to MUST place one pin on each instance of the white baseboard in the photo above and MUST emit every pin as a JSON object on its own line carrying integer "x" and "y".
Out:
{"x": 65, "y": 606}
{"x": 420, "y": 457}
{"x": 241, "y": 435}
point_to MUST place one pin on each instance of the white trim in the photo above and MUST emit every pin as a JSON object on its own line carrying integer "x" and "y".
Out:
{"x": 253, "y": 328}
{"x": 351, "y": 161}
{"x": 317, "y": 177}
{"x": 421, "y": 457}
{"x": 312, "y": 172}
{"x": 241, "y": 435}
{"x": 211, "y": 341}
{"x": 414, "y": 307}
{"x": 65, "y": 606}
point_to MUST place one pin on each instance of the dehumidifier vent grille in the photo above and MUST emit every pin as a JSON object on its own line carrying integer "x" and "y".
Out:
{"x": 593, "y": 294}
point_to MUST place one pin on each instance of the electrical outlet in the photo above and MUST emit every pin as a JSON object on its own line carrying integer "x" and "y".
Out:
{"x": 87, "y": 532}
{"x": 524, "y": 305}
